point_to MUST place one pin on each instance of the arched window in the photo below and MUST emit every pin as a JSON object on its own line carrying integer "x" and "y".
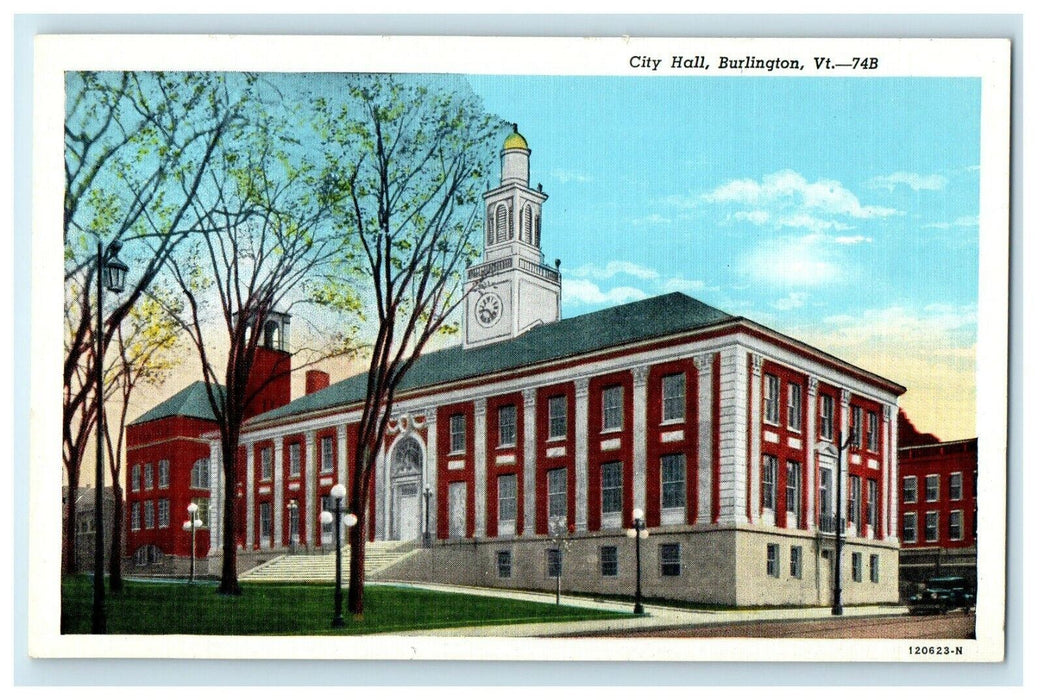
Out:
{"x": 527, "y": 224}
{"x": 536, "y": 237}
{"x": 502, "y": 223}
{"x": 407, "y": 457}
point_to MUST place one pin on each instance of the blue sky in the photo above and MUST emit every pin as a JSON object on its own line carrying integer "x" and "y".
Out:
{"x": 843, "y": 212}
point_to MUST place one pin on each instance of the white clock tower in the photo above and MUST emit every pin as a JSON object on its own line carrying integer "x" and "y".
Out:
{"x": 512, "y": 290}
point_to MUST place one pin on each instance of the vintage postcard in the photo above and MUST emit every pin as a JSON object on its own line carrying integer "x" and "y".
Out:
{"x": 519, "y": 348}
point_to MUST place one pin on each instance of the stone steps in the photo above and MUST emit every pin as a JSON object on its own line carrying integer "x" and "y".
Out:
{"x": 321, "y": 568}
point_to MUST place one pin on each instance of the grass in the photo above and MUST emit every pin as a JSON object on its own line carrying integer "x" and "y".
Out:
{"x": 295, "y": 609}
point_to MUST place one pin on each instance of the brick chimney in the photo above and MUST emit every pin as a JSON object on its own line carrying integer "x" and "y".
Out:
{"x": 316, "y": 379}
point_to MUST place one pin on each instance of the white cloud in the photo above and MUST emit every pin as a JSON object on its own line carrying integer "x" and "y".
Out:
{"x": 852, "y": 240}
{"x": 793, "y": 300}
{"x": 586, "y": 293}
{"x": 569, "y": 176}
{"x": 613, "y": 268}
{"x": 959, "y": 222}
{"x": 791, "y": 262}
{"x": 914, "y": 181}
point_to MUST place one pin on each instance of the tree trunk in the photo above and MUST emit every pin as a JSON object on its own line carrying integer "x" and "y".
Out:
{"x": 229, "y": 578}
{"x": 357, "y": 566}
{"x": 116, "y": 542}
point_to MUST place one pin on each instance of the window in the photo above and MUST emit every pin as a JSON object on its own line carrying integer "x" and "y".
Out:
{"x": 909, "y": 527}
{"x": 504, "y": 564}
{"x": 148, "y": 476}
{"x": 266, "y": 464}
{"x": 855, "y": 514}
{"x": 670, "y": 559}
{"x": 608, "y": 561}
{"x": 770, "y": 465}
{"x": 556, "y": 418}
{"x": 327, "y": 528}
{"x": 956, "y": 487}
{"x": 794, "y": 407}
{"x": 527, "y": 224}
{"x": 295, "y": 459}
{"x": 326, "y": 464}
{"x": 136, "y": 477}
{"x": 672, "y": 481}
{"x": 612, "y": 408}
{"x": 772, "y": 560}
{"x": 163, "y": 512}
{"x": 931, "y": 527}
{"x": 857, "y": 566}
{"x": 674, "y": 397}
{"x": 265, "y": 520}
{"x": 771, "y": 399}
{"x": 873, "y": 433}
{"x": 554, "y": 563}
{"x": 909, "y": 489}
{"x": 203, "y": 512}
{"x": 164, "y": 473}
{"x": 856, "y": 423}
{"x": 793, "y": 487}
{"x": 875, "y": 567}
{"x": 931, "y": 488}
{"x": 871, "y": 505}
{"x": 458, "y": 433}
{"x": 795, "y": 562}
{"x": 556, "y": 494}
{"x": 135, "y": 516}
{"x": 506, "y": 425}
{"x": 612, "y": 488}
{"x": 201, "y": 474}
{"x": 502, "y": 223}
{"x": 507, "y": 498}
{"x": 956, "y": 533}
{"x": 826, "y": 417}
{"x": 150, "y": 515}
{"x": 826, "y": 502}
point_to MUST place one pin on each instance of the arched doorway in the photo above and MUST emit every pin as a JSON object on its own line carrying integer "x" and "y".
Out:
{"x": 407, "y": 460}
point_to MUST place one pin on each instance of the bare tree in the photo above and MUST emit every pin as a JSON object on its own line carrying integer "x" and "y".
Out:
{"x": 414, "y": 155}
{"x": 136, "y": 148}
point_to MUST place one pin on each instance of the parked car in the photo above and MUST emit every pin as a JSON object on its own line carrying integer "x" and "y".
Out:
{"x": 941, "y": 595}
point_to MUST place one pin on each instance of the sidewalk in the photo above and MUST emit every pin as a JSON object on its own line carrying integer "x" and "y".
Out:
{"x": 655, "y": 617}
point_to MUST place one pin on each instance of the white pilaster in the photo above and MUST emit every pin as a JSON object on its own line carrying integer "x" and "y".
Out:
{"x": 480, "y": 468}
{"x": 580, "y": 463}
{"x": 249, "y": 496}
{"x": 754, "y": 492}
{"x": 383, "y": 487}
{"x": 342, "y": 455}
{"x": 732, "y": 435}
{"x": 311, "y": 515}
{"x": 431, "y": 473}
{"x": 277, "y": 495}
{"x": 890, "y": 434}
{"x": 810, "y": 480}
{"x": 705, "y": 436}
{"x": 639, "y": 425}
{"x": 217, "y": 492}
{"x": 529, "y": 460}
{"x": 846, "y": 397}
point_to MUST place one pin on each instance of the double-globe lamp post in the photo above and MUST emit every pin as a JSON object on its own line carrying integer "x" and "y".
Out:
{"x": 190, "y": 526}
{"x": 638, "y": 532}
{"x": 112, "y": 273}
{"x": 828, "y": 447}
{"x": 338, "y": 492}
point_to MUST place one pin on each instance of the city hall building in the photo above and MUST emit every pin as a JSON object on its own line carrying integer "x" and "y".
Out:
{"x": 523, "y": 452}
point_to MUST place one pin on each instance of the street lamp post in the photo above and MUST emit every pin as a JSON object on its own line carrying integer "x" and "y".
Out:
{"x": 112, "y": 273}
{"x": 190, "y": 526}
{"x": 560, "y": 538}
{"x": 638, "y": 532}
{"x": 291, "y": 512}
{"x": 338, "y": 492}
{"x": 842, "y": 445}
{"x": 427, "y": 516}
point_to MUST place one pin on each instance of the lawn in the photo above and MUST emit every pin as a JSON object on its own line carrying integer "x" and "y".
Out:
{"x": 294, "y": 609}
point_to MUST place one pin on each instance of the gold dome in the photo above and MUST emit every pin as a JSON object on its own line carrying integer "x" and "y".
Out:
{"x": 515, "y": 140}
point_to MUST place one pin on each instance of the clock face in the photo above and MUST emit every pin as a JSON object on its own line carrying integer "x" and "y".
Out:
{"x": 488, "y": 309}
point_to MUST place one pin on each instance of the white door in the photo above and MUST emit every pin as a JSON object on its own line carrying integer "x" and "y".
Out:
{"x": 408, "y": 509}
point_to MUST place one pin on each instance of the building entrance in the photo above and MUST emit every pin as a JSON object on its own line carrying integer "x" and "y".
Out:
{"x": 406, "y": 471}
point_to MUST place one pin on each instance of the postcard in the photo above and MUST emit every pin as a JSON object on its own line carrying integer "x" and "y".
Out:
{"x": 519, "y": 348}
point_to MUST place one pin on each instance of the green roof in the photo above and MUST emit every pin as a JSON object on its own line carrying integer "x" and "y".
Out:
{"x": 621, "y": 325}
{"x": 190, "y": 402}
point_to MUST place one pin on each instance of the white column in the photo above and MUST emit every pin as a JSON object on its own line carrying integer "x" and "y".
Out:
{"x": 705, "y": 436}
{"x": 277, "y": 492}
{"x": 249, "y": 496}
{"x": 732, "y": 435}
{"x": 342, "y": 455}
{"x": 754, "y": 492}
{"x": 431, "y": 474}
{"x": 811, "y": 476}
{"x": 846, "y": 397}
{"x": 639, "y": 424}
{"x": 529, "y": 460}
{"x": 311, "y": 515}
{"x": 580, "y": 458}
{"x": 217, "y": 493}
{"x": 889, "y": 433}
{"x": 383, "y": 493}
{"x": 480, "y": 467}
